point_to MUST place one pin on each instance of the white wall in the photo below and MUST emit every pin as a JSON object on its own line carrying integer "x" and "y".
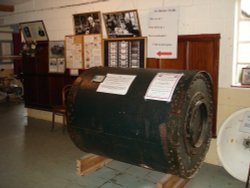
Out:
{"x": 196, "y": 17}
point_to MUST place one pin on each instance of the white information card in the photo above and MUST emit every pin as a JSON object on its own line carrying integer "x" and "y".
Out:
{"x": 116, "y": 84}
{"x": 163, "y": 33}
{"x": 162, "y": 86}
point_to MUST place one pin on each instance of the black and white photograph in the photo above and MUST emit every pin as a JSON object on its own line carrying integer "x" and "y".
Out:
{"x": 57, "y": 65}
{"x": 56, "y": 49}
{"x": 122, "y": 24}
{"x": 87, "y": 23}
{"x": 56, "y": 57}
{"x": 125, "y": 53}
{"x": 34, "y": 31}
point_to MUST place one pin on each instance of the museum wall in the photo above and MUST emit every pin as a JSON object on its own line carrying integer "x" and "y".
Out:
{"x": 196, "y": 17}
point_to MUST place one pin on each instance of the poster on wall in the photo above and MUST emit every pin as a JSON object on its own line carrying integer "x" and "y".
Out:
{"x": 56, "y": 57}
{"x": 74, "y": 51}
{"x": 163, "y": 33}
{"x": 34, "y": 31}
{"x": 56, "y": 65}
{"x": 92, "y": 45}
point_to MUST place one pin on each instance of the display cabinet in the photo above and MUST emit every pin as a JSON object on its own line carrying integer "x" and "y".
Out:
{"x": 125, "y": 52}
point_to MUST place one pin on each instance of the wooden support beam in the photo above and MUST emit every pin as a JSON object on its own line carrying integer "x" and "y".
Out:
{"x": 6, "y": 8}
{"x": 90, "y": 163}
{"x": 171, "y": 181}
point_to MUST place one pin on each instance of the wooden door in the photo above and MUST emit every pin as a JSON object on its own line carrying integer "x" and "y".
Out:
{"x": 195, "y": 52}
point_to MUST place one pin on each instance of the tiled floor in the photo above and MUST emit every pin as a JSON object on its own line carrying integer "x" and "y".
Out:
{"x": 33, "y": 157}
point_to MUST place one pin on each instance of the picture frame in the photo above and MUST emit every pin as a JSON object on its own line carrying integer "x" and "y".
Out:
{"x": 245, "y": 79}
{"x": 56, "y": 57}
{"x": 125, "y": 52}
{"x": 34, "y": 31}
{"x": 56, "y": 49}
{"x": 122, "y": 24}
{"x": 57, "y": 65}
{"x": 87, "y": 23}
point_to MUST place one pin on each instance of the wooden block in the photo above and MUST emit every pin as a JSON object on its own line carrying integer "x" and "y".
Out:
{"x": 90, "y": 163}
{"x": 171, "y": 181}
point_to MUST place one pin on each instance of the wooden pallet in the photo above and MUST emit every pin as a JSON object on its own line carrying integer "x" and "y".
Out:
{"x": 90, "y": 163}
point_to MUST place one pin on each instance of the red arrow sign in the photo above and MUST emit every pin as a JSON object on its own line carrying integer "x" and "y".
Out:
{"x": 159, "y": 53}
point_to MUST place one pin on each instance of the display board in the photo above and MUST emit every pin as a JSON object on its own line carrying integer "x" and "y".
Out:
{"x": 92, "y": 48}
{"x": 73, "y": 53}
{"x": 125, "y": 52}
{"x": 83, "y": 51}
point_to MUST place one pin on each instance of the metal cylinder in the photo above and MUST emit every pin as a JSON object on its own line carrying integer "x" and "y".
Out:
{"x": 171, "y": 137}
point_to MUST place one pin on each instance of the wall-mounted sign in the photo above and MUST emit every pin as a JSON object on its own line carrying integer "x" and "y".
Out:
{"x": 163, "y": 33}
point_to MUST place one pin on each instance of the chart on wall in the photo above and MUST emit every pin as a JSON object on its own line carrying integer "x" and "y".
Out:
{"x": 92, "y": 47}
{"x": 56, "y": 57}
{"x": 73, "y": 53}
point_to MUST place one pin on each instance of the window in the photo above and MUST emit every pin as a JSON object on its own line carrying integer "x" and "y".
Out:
{"x": 242, "y": 45}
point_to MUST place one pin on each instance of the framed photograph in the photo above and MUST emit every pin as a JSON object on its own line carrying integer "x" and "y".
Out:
{"x": 125, "y": 52}
{"x": 34, "y": 31}
{"x": 245, "y": 79}
{"x": 122, "y": 24}
{"x": 56, "y": 57}
{"x": 87, "y": 23}
{"x": 56, "y": 49}
{"x": 57, "y": 65}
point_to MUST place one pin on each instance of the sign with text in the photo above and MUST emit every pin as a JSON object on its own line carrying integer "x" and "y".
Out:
{"x": 163, "y": 33}
{"x": 116, "y": 84}
{"x": 162, "y": 86}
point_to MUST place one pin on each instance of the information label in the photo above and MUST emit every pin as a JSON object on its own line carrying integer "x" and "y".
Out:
{"x": 162, "y": 86}
{"x": 163, "y": 33}
{"x": 116, "y": 84}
